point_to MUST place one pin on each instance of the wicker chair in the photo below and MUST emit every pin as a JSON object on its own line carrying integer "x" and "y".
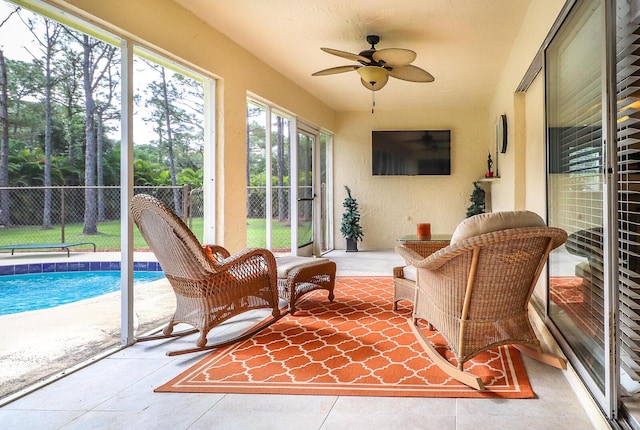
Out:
{"x": 210, "y": 285}
{"x": 476, "y": 291}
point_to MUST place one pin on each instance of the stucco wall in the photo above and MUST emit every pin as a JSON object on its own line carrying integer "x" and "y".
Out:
{"x": 516, "y": 167}
{"x": 535, "y": 177}
{"x": 391, "y": 206}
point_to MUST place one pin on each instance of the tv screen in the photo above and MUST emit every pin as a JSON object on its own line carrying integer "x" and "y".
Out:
{"x": 411, "y": 152}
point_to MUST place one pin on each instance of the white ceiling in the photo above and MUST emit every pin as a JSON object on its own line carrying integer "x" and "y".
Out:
{"x": 462, "y": 43}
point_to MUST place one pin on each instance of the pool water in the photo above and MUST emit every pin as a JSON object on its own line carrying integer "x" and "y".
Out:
{"x": 20, "y": 293}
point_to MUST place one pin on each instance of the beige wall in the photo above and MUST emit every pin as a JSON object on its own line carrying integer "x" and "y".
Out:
{"x": 175, "y": 32}
{"x": 511, "y": 191}
{"x": 391, "y": 206}
{"x": 535, "y": 177}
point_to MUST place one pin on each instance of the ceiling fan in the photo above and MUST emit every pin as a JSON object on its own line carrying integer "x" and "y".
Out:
{"x": 377, "y": 65}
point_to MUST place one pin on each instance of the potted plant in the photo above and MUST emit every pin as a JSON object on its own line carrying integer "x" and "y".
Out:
{"x": 477, "y": 200}
{"x": 351, "y": 228}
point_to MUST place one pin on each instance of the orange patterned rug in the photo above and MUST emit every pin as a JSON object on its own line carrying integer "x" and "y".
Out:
{"x": 356, "y": 345}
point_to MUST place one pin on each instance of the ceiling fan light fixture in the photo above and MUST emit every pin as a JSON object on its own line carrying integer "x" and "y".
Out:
{"x": 373, "y": 74}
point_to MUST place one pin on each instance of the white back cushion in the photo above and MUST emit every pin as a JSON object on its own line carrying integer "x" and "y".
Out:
{"x": 486, "y": 223}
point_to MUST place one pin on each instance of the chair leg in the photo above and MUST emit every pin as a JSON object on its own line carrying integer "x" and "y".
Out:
{"x": 543, "y": 357}
{"x": 202, "y": 340}
{"x": 171, "y": 334}
{"x": 246, "y": 335}
{"x": 460, "y": 375}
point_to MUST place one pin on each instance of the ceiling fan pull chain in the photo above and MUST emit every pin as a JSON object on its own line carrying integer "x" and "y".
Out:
{"x": 373, "y": 101}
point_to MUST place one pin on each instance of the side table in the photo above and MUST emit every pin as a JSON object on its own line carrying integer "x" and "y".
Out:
{"x": 404, "y": 280}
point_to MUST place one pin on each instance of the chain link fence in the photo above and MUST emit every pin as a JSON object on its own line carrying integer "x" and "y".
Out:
{"x": 257, "y": 215}
{"x": 84, "y": 214}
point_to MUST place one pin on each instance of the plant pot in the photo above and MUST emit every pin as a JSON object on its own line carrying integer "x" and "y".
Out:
{"x": 352, "y": 245}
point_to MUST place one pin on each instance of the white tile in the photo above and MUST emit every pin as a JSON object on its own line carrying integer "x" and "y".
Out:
{"x": 258, "y": 412}
{"x": 30, "y": 419}
{"x": 399, "y": 406}
{"x": 389, "y": 420}
{"x": 509, "y": 422}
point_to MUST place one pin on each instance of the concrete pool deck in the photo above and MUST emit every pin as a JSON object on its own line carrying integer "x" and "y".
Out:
{"x": 44, "y": 342}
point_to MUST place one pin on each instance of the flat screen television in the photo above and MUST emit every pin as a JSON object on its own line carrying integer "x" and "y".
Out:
{"x": 411, "y": 152}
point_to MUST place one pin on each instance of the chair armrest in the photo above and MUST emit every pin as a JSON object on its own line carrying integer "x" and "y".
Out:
{"x": 249, "y": 263}
{"x": 431, "y": 262}
{"x": 410, "y": 256}
{"x": 219, "y": 252}
{"x": 398, "y": 272}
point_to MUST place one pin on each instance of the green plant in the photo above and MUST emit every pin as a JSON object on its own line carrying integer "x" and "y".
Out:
{"x": 351, "y": 228}
{"x": 477, "y": 200}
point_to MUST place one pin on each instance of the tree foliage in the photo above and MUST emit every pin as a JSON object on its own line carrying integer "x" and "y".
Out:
{"x": 60, "y": 117}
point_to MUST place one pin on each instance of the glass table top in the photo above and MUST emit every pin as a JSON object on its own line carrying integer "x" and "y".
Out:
{"x": 433, "y": 238}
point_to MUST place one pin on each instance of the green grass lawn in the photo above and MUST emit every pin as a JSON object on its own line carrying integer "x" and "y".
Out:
{"x": 108, "y": 237}
{"x": 256, "y": 234}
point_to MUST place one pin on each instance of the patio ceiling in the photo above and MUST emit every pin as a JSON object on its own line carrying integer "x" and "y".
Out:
{"x": 463, "y": 43}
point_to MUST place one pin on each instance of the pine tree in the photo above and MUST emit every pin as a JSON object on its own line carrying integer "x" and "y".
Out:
{"x": 477, "y": 200}
{"x": 351, "y": 228}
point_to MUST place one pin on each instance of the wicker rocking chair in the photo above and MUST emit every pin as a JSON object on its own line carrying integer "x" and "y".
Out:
{"x": 476, "y": 291}
{"x": 210, "y": 285}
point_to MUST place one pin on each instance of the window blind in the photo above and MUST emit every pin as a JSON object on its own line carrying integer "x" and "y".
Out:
{"x": 628, "y": 158}
{"x": 573, "y": 70}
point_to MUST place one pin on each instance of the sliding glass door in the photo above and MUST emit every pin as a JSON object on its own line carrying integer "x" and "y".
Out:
{"x": 288, "y": 183}
{"x": 592, "y": 115}
{"x": 578, "y": 289}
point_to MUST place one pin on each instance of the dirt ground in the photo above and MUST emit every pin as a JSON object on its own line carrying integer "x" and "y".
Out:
{"x": 38, "y": 344}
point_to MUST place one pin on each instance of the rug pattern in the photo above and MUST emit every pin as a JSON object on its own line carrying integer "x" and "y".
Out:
{"x": 356, "y": 345}
{"x": 568, "y": 292}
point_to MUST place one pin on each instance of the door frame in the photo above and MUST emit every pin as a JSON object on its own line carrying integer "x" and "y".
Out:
{"x": 312, "y": 248}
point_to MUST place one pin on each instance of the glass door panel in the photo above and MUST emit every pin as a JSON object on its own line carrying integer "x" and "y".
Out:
{"x": 257, "y": 224}
{"x": 576, "y": 186}
{"x": 326, "y": 206}
{"x": 306, "y": 143}
{"x": 280, "y": 171}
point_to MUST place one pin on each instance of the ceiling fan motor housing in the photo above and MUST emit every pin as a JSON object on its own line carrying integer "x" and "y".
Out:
{"x": 372, "y": 39}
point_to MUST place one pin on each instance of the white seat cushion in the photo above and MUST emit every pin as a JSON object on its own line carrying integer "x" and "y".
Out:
{"x": 289, "y": 262}
{"x": 410, "y": 273}
{"x": 486, "y": 223}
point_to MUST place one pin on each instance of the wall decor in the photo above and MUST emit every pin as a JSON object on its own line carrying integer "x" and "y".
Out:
{"x": 501, "y": 134}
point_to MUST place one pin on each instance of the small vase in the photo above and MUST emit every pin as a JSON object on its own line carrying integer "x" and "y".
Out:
{"x": 423, "y": 231}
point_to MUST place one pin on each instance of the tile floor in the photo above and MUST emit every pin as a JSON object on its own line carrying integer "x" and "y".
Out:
{"x": 116, "y": 392}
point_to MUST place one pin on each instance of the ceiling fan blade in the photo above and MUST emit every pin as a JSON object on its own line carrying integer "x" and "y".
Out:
{"x": 411, "y": 73}
{"x": 334, "y": 70}
{"x": 394, "y": 56}
{"x": 377, "y": 85}
{"x": 347, "y": 55}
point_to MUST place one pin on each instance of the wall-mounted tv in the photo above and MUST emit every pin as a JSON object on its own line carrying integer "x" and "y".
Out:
{"x": 411, "y": 152}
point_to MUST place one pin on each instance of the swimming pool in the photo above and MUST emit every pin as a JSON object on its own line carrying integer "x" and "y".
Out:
{"x": 20, "y": 293}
